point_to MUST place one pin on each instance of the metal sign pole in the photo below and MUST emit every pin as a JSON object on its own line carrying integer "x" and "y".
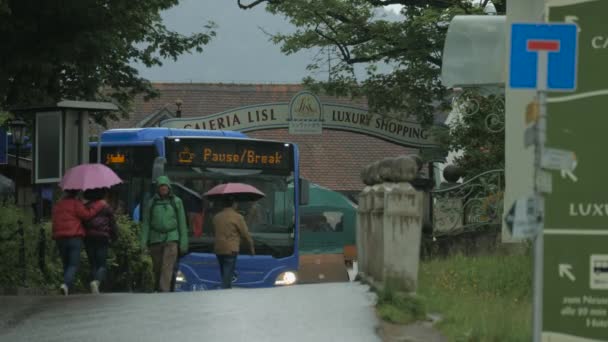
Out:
{"x": 560, "y": 41}
{"x": 541, "y": 129}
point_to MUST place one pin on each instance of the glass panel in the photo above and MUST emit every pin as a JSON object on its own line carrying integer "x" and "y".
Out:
{"x": 270, "y": 220}
{"x": 133, "y": 164}
{"x": 48, "y": 145}
{"x": 325, "y": 222}
{"x": 474, "y": 51}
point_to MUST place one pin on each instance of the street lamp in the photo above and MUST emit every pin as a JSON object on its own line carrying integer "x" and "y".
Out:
{"x": 17, "y": 129}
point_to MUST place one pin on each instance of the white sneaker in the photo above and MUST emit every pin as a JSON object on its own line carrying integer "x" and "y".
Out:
{"x": 95, "y": 287}
{"x": 64, "y": 289}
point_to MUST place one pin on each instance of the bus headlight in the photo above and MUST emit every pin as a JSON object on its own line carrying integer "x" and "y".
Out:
{"x": 286, "y": 278}
{"x": 180, "y": 277}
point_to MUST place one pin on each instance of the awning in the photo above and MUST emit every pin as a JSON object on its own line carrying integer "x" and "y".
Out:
{"x": 474, "y": 51}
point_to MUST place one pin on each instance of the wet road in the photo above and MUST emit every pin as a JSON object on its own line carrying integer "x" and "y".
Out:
{"x": 323, "y": 312}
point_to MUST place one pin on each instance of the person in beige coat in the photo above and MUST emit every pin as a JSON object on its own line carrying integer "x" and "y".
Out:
{"x": 230, "y": 227}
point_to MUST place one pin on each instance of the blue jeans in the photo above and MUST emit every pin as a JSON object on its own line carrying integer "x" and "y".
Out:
{"x": 97, "y": 252}
{"x": 69, "y": 250}
{"x": 227, "y": 267}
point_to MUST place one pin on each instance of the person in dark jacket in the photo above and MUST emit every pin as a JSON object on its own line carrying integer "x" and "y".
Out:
{"x": 101, "y": 230}
{"x": 164, "y": 232}
{"x": 68, "y": 232}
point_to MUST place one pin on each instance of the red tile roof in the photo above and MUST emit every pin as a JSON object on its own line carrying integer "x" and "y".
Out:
{"x": 332, "y": 159}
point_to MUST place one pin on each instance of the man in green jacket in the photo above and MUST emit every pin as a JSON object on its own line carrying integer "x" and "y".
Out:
{"x": 164, "y": 230}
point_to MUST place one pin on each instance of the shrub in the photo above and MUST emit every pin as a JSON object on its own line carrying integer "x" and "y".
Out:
{"x": 12, "y": 219}
{"x": 129, "y": 268}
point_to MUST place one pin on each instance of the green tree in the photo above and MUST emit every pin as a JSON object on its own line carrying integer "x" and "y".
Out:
{"x": 85, "y": 49}
{"x": 477, "y": 130}
{"x": 360, "y": 32}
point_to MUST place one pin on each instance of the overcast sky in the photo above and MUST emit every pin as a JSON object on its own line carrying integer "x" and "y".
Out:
{"x": 241, "y": 52}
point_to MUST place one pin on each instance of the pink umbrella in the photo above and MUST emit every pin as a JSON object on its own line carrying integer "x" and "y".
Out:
{"x": 241, "y": 192}
{"x": 89, "y": 176}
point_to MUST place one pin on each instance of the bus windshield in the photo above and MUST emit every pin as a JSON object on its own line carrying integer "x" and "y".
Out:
{"x": 270, "y": 220}
{"x": 197, "y": 165}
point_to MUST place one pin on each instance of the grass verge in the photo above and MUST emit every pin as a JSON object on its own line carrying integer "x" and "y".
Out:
{"x": 400, "y": 308}
{"x": 484, "y": 298}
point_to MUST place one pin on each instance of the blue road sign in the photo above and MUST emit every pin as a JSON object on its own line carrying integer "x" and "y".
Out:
{"x": 558, "y": 41}
{"x": 3, "y": 147}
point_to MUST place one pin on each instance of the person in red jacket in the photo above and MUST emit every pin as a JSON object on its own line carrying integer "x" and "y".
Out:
{"x": 68, "y": 232}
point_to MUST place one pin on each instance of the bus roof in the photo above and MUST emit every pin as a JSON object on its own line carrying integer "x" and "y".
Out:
{"x": 151, "y": 134}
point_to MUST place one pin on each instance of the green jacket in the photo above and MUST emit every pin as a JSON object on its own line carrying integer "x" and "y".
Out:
{"x": 164, "y": 220}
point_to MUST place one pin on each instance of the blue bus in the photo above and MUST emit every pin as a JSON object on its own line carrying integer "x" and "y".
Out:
{"x": 197, "y": 160}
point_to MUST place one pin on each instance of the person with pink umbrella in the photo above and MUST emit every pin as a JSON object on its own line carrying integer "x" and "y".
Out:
{"x": 68, "y": 232}
{"x": 70, "y": 213}
{"x": 101, "y": 231}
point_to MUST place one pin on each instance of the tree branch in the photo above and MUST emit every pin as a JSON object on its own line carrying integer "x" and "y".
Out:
{"x": 465, "y": 7}
{"x": 388, "y": 2}
{"x": 343, "y": 49}
{"x": 338, "y": 16}
{"x": 435, "y": 60}
{"x": 335, "y": 32}
{"x": 253, "y": 4}
{"x": 418, "y": 3}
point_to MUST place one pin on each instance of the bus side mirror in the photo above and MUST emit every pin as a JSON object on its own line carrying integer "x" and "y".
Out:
{"x": 304, "y": 191}
{"x": 158, "y": 168}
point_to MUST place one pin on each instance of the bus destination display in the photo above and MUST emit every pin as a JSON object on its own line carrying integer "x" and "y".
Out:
{"x": 228, "y": 154}
{"x": 123, "y": 158}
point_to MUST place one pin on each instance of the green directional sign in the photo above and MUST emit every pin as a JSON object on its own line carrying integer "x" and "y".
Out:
{"x": 575, "y": 294}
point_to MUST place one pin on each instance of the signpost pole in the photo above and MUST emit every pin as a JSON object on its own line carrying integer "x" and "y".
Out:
{"x": 540, "y": 206}
{"x": 541, "y": 126}
{"x": 559, "y": 314}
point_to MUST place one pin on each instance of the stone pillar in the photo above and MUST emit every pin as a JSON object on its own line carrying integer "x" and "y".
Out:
{"x": 376, "y": 239}
{"x": 364, "y": 222}
{"x": 402, "y": 221}
{"x": 390, "y": 224}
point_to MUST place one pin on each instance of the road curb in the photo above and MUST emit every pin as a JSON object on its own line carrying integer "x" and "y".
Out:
{"x": 23, "y": 291}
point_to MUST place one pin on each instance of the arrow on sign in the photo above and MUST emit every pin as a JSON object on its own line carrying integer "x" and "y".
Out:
{"x": 569, "y": 173}
{"x": 565, "y": 270}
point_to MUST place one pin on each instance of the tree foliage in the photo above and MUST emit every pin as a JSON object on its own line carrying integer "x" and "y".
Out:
{"x": 361, "y": 32}
{"x": 478, "y": 131}
{"x": 85, "y": 49}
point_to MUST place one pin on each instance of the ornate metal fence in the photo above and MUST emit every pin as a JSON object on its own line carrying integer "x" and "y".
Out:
{"x": 472, "y": 205}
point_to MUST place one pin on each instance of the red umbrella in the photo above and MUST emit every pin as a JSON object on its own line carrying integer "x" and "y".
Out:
{"x": 240, "y": 191}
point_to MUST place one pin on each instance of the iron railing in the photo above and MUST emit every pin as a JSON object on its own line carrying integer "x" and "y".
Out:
{"x": 474, "y": 204}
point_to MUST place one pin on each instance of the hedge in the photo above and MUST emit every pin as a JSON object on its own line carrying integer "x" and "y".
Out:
{"x": 130, "y": 270}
